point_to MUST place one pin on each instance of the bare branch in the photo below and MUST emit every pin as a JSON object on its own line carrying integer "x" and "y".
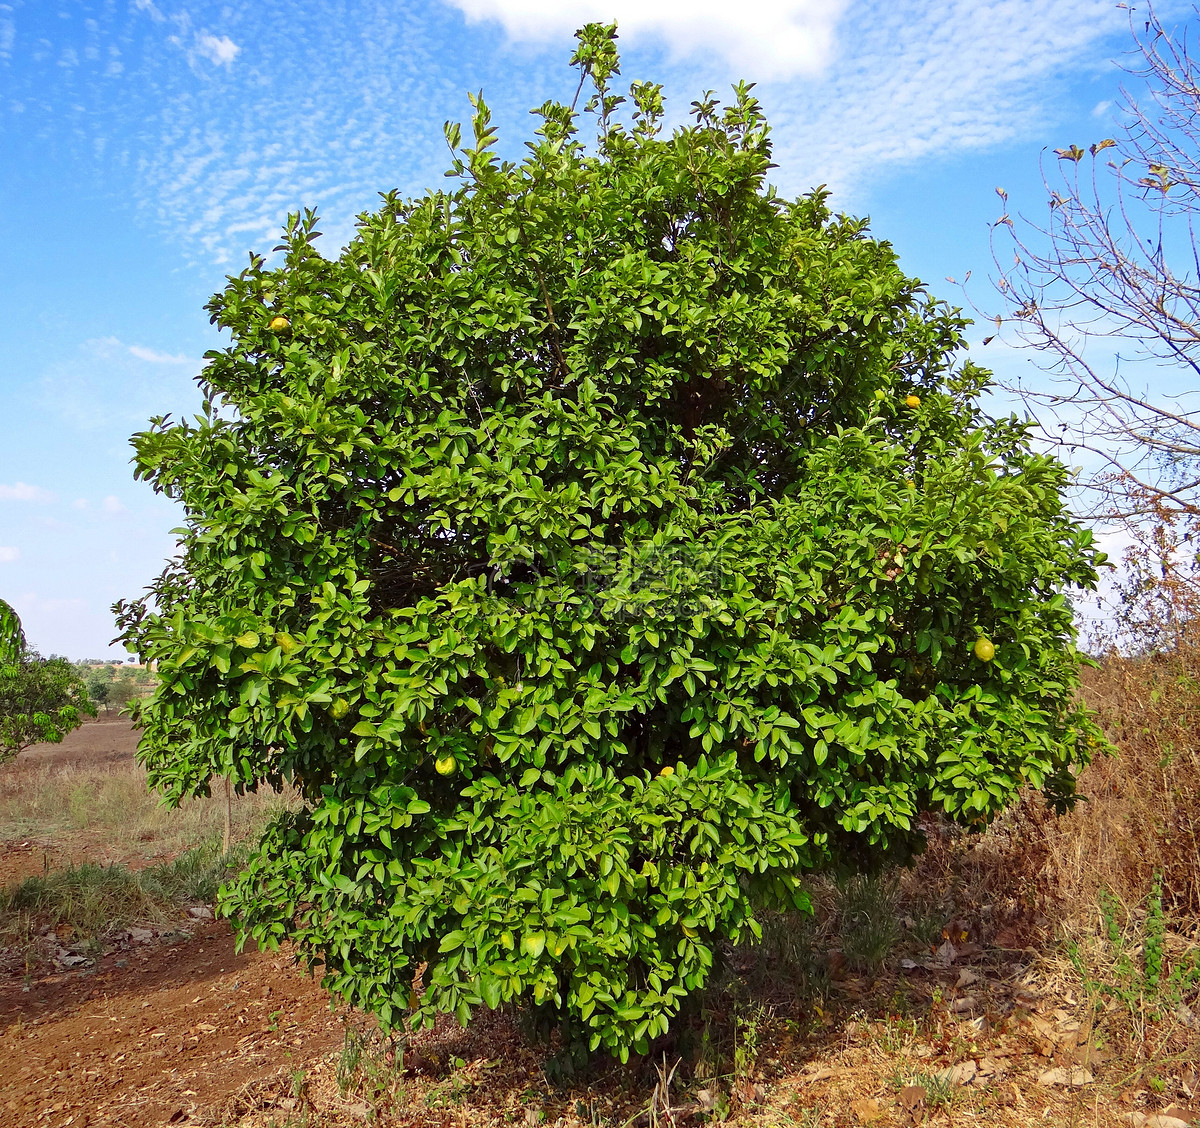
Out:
{"x": 1116, "y": 261}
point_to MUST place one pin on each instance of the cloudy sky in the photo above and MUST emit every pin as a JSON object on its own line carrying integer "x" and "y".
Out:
{"x": 147, "y": 145}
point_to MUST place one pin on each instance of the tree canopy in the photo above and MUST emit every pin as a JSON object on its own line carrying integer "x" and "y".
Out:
{"x": 600, "y": 544}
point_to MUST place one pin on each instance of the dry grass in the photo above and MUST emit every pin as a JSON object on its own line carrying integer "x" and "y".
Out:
{"x": 1144, "y": 813}
{"x": 112, "y": 803}
{"x": 90, "y": 903}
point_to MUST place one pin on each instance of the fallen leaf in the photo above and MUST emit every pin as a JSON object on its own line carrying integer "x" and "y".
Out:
{"x": 868, "y": 1110}
{"x": 1089, "y": 1056}
{"x": 821, "y": 1075}
{"x": 960, "y": 1074}
{"x": 912, "y": 1098}
{"x": 1075, "y": 1078}
{"x": 943, "y": 956}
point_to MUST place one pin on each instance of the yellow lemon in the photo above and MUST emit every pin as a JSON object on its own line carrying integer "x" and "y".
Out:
{"x": 339, "y": 708}
{"x": 984, "y": 650}
{"x": 279, "y": 324}
{"x": 912, "y": 401}
{"x": 446, "y": 765}
{"x": 667, "y": 771}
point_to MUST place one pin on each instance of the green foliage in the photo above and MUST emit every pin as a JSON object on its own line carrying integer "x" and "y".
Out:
{"x": 120, "y": 692}
{"x": 12, "y": 638}
{"x": 41, "y": 700}
{"x": 112, "y": 684}
{"x": 570, "y": 542}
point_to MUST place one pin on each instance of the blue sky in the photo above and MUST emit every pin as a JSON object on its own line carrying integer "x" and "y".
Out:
{"x": 147, "y": 145}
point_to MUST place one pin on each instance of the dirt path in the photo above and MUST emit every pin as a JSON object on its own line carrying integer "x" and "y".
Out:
{"x": 163, "y": 1034}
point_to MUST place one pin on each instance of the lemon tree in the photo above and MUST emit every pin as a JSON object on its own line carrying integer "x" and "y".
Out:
{"x": 600, "y": 544}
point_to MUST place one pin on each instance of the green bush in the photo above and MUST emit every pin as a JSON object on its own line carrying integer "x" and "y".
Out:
{"x": 41, "y": 700}
{"x": 600, "y": 545}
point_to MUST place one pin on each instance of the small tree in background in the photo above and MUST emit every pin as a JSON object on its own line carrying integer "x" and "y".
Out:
{"x": 121, "y": 691}
{"x": 98, "y": 686}
{"x": 1107, "y": 291}
{"x": 599, "y": 546}
{"x": 41, "y": 700}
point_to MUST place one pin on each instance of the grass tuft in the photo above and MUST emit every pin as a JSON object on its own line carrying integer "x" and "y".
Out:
{"x": 867, "y": 911}
{"x": 96, "y": 900}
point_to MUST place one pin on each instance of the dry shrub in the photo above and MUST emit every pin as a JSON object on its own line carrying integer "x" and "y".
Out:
{"x": 1143, "y": 814}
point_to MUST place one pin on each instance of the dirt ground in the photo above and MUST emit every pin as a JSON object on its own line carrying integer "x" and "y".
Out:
{"x": 165, "y": 1032}
{"x": 168, "y": 1025}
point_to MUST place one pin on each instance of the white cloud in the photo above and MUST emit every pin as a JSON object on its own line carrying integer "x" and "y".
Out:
{"x": 337, "y": 101}
{"x": 21, "y": 491}
{"x": 8, "y": 555}
{"x": 153, "y": 356}
{"x": 109, "y": 345}
{"x": 1101, "y": 108}
{"x": 220, "y": 50}
{"x": 112, "y": 504}
{"x": 79, "y": 503}
{"x": 150, "y": 9}
{"x": 767, "y": 39}
{"x": 927, "y": 81}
